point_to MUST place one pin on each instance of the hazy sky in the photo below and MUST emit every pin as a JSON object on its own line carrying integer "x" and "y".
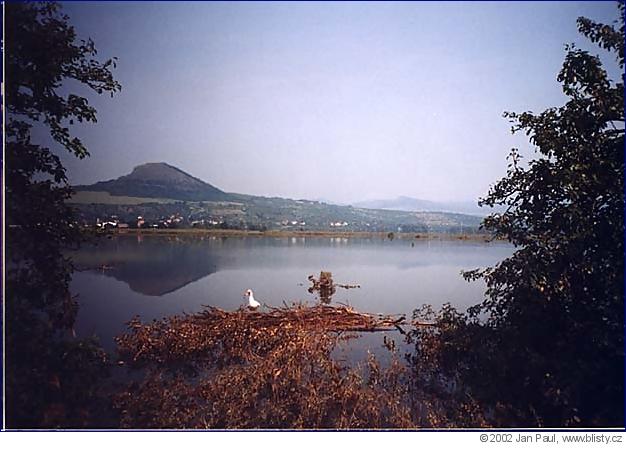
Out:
{"x": 342, "y": 101}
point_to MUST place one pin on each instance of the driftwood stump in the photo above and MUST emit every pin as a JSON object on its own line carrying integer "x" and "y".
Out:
{"x": 324, "y": 285}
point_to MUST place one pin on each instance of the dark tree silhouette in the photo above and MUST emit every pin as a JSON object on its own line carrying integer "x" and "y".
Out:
{"x": 49, "y": 374}
{"x": 546, "y": 346}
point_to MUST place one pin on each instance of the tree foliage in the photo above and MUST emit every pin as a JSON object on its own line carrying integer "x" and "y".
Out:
{"x": 546, "y": 346}
{"x": 48, "y": 375}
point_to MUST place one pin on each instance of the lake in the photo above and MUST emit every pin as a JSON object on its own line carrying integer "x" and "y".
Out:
{"x": 156, "y": 276}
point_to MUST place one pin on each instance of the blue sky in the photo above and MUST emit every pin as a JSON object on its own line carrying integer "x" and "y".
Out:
{"x": 342, "y": 101}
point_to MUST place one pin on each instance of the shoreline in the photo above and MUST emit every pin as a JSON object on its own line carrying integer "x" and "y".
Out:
{"x": 312, "y": 234}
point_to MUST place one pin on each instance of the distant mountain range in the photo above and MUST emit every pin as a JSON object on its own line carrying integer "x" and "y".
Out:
{"x": 165, "y": 196}
{"x": 409, "y": 204}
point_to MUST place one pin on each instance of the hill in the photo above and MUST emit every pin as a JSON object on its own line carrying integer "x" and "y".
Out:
{"x": 166, "y": 197}
{"x": 158, "y": 180}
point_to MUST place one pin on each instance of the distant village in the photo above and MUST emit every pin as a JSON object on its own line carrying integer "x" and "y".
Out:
{"x": 262, "y": 214}
{"x": 177, "y": 221}
{"x": 113, "y": 222}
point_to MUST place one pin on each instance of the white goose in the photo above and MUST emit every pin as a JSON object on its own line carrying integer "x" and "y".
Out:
{"x": 252, "y": 303}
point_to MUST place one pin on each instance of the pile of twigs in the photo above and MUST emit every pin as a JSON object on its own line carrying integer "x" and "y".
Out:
{"x": 270, "y": 369}
{"x": 248, "y": 369}
{"x": 317, "y": 318}
{"x": 220, "y": 336}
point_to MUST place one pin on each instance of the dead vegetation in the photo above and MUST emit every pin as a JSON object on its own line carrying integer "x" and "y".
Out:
{"x": 242, "y": 369}
{"x": 278, "y": 368}
{"x": 216, "y": 335}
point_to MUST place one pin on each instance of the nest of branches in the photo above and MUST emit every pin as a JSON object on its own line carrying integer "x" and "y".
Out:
{"x": 243, "y": 369}
{"x": 222, "y": 337}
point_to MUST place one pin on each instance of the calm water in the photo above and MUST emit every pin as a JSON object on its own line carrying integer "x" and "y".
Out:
{"x": 157, "y": 276}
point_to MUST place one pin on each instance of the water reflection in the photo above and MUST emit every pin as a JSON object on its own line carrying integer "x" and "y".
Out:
{"x": 150, "y": 266}
{"x": 157, "y": 266}
{"x": 154, "y": 276}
